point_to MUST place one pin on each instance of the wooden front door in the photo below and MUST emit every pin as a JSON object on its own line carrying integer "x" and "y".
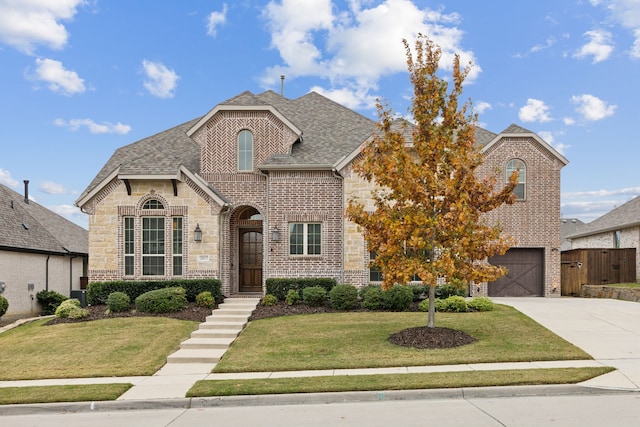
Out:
{"x": 250, "y": 274}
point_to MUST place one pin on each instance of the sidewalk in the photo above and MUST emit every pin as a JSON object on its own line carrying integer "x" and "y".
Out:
{"x": 609, "y": 330}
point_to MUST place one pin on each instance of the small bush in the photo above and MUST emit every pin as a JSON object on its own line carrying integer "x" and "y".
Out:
{"x": 165, "y": 300}
{"x": 343, "y": 297}
{"x": 453, "y": 304}
{"x": 269, "y": 300}
{"x": 49, "y": 300}
{"x": 424, "y": 305}
{"x": 78, "y": 313}
{"x": 4, "y": 305}
{"x": 455, "y": 287}
{"x": 398, "y": 298}
{"x": 420, "y": 292}
{"x": 66, "y": 307}
{"x": 372, "y": 298}
{"x": 292, "y": 297}
{"x": 118, "y": 302}
{"x": 315, "y": 296}
{"x": 205, "y": 299}
{"x": 280, "y": 286}
{"x": 480, "y": 304}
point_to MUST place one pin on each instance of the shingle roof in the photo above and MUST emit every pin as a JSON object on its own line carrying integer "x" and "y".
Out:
{"x": 624, "y": 216}
{"x": 31, "y": 227}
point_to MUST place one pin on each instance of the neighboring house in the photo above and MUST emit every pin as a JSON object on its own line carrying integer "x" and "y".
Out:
{"x": 568, "y": 226}
{"x": 619, "y": 228}
{"x": 39, "y": 250}
{"x": 257, "y": 188}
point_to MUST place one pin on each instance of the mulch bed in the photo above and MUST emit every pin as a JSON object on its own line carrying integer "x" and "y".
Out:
{"x": 420, "y": 337}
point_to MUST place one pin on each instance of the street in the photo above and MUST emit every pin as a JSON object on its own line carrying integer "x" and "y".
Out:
{"x": 585, "y": 410}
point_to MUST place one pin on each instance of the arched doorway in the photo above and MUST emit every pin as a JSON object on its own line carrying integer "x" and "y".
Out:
{"x": 250, "y": 250}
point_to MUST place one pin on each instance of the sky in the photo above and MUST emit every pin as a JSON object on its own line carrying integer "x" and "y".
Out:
{"x": 81, "y": 78}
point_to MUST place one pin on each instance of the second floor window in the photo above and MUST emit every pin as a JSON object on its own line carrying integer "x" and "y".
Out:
{"x": 517, "y": 165}
{"x": 245, "y": 151}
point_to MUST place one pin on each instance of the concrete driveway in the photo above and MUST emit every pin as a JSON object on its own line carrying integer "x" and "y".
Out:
{"x": 607, "y": 329}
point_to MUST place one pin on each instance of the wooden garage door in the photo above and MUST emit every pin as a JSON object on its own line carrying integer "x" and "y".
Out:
{"x": 525, "y": 273}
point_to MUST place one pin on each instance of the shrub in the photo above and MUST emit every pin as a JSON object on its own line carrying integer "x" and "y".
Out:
{"x": 98, "y": 292}
{"x": 66, "y": 307}
{"x": 454, "y": 287}
{"x": 454, "y": 304}
{"x": 78, "y": 313}
{"x": 205, "y": 299}
{"x": 420, "y": 292}
{"x": 49, "y": 300}
{"x": 280, "y": 286}
{"x": 398, "y": 298}
{"x": 165, "y": 300}
{"x": 424, "y": 305}
{"x": 292, "y": 297}
{"x": 4, "y": 305}
{"x": 269, "y": 300}
{"x": 343, "y": 297}
{"x": 480, "y": 304}
{"x": 372, "y": 298}
{"x": 315, "y": 296}
{"x": 118, "y": 302}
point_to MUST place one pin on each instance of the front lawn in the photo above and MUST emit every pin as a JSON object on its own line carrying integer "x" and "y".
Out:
{"x": 103, "y": 348}
{"x": 360, "y": 340}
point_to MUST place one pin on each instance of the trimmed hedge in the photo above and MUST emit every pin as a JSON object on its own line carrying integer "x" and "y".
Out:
{"x": 49, "y": 300}
{"x": 281, "y": 286}
{"x": 98, "y": 292}
{"x": 164, "y": 300}
{"x": 343, "y": 297}
{"x": 118, "y": 302}
{"x": 4, "y": 305}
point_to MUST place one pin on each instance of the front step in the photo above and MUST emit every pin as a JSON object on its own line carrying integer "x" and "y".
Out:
{"x": 223, "y": 325}
{"x": 196, "y": 356}
{"x": 212, "y": 333}
{"x": 211, "y": 343}
{"x": 218, "y": 316}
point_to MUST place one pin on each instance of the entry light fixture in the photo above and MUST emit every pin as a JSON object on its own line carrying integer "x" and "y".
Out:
{"x": 197, "y": 234}
{"x": 275, "y": 234}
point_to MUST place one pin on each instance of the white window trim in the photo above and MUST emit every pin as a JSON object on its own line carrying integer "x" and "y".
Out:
{"x": 305, "y": 239}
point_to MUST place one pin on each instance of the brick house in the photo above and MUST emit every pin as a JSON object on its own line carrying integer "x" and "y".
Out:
{"x": 39, "y": 250}
{"x": 256, "y": 188}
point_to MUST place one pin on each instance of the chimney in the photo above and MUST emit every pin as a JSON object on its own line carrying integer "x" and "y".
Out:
{"x": 26, "y": 191}
{"x": 282, "y": 85}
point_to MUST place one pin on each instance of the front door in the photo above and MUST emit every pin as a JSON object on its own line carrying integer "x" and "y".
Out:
{"x": 250, "y": 274}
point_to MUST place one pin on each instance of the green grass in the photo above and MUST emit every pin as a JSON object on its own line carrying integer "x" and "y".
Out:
{"x": 103, "y": 348}
{"x": 207, "y": 388}
{"x": 61, "y": 393}
{"x": 625, "y": 285}
{"x": 360, "y": 340}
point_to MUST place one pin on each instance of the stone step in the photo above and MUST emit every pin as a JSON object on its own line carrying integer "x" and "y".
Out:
{"x": 196, "y": 356}
{"x": 218, "y": 316}
{"x": 215, "y": 333}
{"x": 211, "y": 343}
{"x": 235, "y": 311}
{"x": 223, "y": 325}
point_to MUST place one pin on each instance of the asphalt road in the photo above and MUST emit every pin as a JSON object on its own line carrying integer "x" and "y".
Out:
{"x": 567, "y": 410}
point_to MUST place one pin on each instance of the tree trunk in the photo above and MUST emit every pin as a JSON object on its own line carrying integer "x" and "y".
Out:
{"x": 431, "y": 322}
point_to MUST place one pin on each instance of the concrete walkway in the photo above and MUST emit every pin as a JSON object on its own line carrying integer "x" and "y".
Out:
{"x": 609, "y": 330}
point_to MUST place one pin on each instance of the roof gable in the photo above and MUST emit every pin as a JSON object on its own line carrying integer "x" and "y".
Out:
{"x": 32, "y": 227}
{"x": 515, "y": 131}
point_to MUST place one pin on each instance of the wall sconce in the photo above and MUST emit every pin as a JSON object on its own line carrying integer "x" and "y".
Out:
{"x": 197, "y": 234}
{"x": 275, "y": 234}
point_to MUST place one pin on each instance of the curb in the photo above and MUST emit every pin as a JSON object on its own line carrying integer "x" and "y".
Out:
{"x": 307, "y": 398}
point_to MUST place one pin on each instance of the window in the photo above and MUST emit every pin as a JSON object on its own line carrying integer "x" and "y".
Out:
{"x": 375, "y": 275}
{"x": 177, "y": 246}
{"x": 152, "y": 246}
{"x": 305, "y": 238}
{"x": 245, "y": 151}
{"x": 517, "y": 165}
{"x": 616, "y": 239}
{"x": 128, "y": 246}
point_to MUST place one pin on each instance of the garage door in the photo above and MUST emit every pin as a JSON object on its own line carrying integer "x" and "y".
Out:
{"x": 524, "y": 278}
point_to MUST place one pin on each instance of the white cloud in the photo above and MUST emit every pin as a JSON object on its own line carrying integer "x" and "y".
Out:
{"x": 216, "y": 19}
{"x": 627, "y": 14}
{"x": 599, "y": 46}
{"x": 569, "y": 121}
{"x": 549, "y": 138}
{"x": 592, "y": 108}
{"x": 348, "y": 97}
{"x": 50, "y": 187}
{"x": 627, "y": 191}
{"x": 160, "y": 81}
{"x": 26, "y": 24}
{"x": 353, "y": 49}
{"x": 481, "y": 107}
{"x": 534, "y": 111}
{"x": 5, "y": 178}
{"x": 59, "y": 79}
{"x": 93, "y": 127}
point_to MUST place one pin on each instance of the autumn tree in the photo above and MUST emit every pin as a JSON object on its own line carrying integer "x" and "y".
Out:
{"x": 429, "y": 199}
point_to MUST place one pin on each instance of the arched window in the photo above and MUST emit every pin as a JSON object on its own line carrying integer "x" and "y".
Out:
{"x": 245, "y": 151}
{"x": 518, "y": 166}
